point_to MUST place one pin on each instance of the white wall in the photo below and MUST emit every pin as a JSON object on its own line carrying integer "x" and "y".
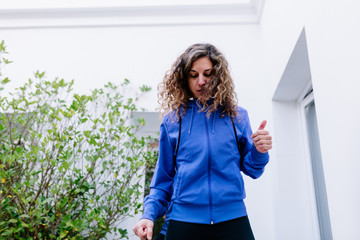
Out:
{"x": 333, "y": 36}
{"x": 95, "y": 55}
{"x": 142, "y": 54}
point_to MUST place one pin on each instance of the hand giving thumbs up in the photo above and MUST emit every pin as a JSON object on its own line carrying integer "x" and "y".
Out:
{"x": 262, "y": 139}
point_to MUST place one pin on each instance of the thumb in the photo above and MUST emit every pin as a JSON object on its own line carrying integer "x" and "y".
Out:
{"x": 149, "y": 233}
{"x": 262, "y": 125}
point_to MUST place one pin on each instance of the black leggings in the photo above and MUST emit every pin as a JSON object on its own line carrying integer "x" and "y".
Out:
{"x": 235, "y": 229}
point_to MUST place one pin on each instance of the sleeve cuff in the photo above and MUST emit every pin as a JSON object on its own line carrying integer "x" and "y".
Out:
{"x": 259, "y": 157}
{"x": 153, "y": 206}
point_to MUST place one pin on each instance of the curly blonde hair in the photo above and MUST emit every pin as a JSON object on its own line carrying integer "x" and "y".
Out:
{"x": 174, "y": 92}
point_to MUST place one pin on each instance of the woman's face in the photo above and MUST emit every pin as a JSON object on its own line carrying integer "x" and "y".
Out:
{"x": 200, "y": 73}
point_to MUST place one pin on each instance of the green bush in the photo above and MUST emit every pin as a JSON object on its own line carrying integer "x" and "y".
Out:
{"x": 70, "y": 165}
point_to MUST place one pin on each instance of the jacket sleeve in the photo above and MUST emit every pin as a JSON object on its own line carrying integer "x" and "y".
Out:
{"x": 252, "y": 161}
{"x": 157, "y": 202}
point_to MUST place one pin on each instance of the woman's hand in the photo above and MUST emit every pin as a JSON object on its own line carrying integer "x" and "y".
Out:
{"x": 262, "y": 139}
{"x": 144, "y": 229}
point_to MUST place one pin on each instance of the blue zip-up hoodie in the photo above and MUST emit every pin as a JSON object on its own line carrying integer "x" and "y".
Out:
{"x": 204, "y": 185}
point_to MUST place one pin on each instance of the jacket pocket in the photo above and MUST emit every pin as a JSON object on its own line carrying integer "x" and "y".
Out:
{"x": 239, "y": 178}
{"x": 178, "y": 180}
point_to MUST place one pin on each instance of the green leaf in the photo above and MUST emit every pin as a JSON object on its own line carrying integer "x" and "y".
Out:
{"x": 47, "y": 201}
{"x": 39, "y": 74}
{"x": 77, "y": 97}
{"x": 13, "y": 220}
{"x": 92, "y": 141}
{"x": 145, "y": 88}
{"x": 24, "y": 216}
{"x": 86, "y": 133}
{"x": 111, "y": 118}
{"x": 83, "y": 120}
{"x": 5, "y": 80}
{"x": 62, "y": 234}
{"x": 65, "y": 165}
{"x": 24, "y": 224}
{"x": 6, "y": 61}
{"x": 125, "y": 82}
{"x": 2, "y": 46}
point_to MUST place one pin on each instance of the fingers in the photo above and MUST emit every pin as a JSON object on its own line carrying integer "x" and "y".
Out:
{"x": 263, "y": 146}
{"x": 259, "y": 132}
{"x": 262, "y": 137}
{"x": 143, "y": 229}
{"x": 140, "y": 231}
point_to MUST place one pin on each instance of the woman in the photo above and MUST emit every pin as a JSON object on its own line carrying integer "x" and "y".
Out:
{"x": 205, "y": 141}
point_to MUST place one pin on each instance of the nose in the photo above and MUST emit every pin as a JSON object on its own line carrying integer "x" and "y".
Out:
{"x": 202, "y": 80}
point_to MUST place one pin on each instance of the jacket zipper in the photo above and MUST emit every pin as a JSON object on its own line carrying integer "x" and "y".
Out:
{"x": 209, "y": 169}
